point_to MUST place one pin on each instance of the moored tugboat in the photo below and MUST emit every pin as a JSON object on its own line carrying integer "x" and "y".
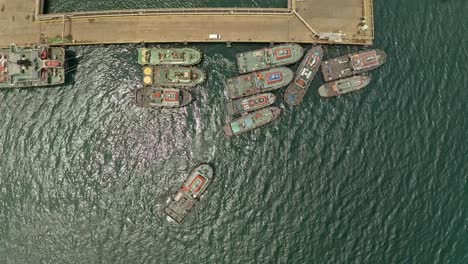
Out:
{"x": 171, "y": 56}
{"x": 39, "y": 65}
{"x": 249, "y": 104}
{"x": 252, "y": 121}
{"x": 153, "y": 97}
{"x": 352, "y": 64}
{"x": 172, "y": 76}
{"x": 306, "y": 72}
{"x": 265, "y": 58}
{"x": 343, "y": 86}
{"x": 258, "y": 82}
{"x": 189, "y": 194}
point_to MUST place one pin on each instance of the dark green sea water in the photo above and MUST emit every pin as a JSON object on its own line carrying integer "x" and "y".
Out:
{"x": 378, "y": 176}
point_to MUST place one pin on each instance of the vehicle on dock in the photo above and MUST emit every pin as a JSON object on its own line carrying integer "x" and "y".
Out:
{"x": 252, "y": 121}
{"x": 343, "y": 86}
{"x": 258, "y": 82}
{"x": 35, "y": 66}
{"x": 352, "y": 64}
{"x": 189, "y": 194}
{"x": 265, "y": 58}
{"x": 171, "y": 56}
{"x": 176, "y": 76}
{"x": 249, "y": 104}
{"x": 153, "y": 97}
{"x": 306, "y": 72}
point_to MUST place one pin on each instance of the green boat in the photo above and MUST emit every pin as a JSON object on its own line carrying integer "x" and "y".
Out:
{"x": 269, "y": 57}
{"x": 189, "y": 194}
{"x": 305, "y": 73}
{"x": 252, "y": 121}
{"x": 176, "y": 76}
{"x": 258, "y": 82}
{"x": 173, "y": 56}
{"x": 35, "y": 66}
{"x": 343, "y": 86}
{"x": 249, "y": 104}
{"x": 153, "y": 97}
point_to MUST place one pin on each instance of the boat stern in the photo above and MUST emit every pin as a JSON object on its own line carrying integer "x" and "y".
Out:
{"x": 186, "y": 97}
{"x": 227, "y": 130}
{"x": 275, "y": 111}
{"x": 322, "y": 90}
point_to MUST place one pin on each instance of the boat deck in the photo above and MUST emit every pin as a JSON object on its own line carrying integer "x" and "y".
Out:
{"x": 308, "y": 21}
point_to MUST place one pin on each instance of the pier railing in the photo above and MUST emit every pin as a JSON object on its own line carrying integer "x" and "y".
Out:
{"x": 40, "y": 16}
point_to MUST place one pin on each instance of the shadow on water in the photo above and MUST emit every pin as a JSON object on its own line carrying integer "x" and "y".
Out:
{"x": 72, "y": 62}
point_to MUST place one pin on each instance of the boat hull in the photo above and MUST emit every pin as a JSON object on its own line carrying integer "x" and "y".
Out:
{"x": 343, "y": 86}
{"x": 257, "y": 82}
{"x": 175, "y": 76}
{"x": 265, "y": 58}
{"x": 154, "y": 97}
{"x": 252, "y": 121}
{"x": 249, "y": 104}
{"x": 172, "y": 56}
{"x": 305, "y": 74}
{"x": 189, "y": 193}
{"x": 34, "y": 66}
{"x": 352, "y": 64}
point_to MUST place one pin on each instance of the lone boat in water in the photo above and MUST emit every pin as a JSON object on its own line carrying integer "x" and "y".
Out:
{"x": 172, "y": 56}
{"x": 352, "y": 64}
{"x": 249, "y": 104}
{"x": 189, "y": 194}
{"x": 265, "y": 58}
{"x": 35, "y": 66}
{"x": 252, "y": 121}
{"x": 152, "y": 97}
{"x": 176, "y": 76}
{"x": 343, "y": 86}
{"x": 306, "y": 72}
{"x": 258, "y": 82}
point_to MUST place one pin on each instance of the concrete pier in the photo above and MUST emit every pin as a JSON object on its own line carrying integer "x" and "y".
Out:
{"x": 304, "y": 21}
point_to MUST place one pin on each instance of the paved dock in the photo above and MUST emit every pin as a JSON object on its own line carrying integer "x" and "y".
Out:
{"x": 306, "y": 21}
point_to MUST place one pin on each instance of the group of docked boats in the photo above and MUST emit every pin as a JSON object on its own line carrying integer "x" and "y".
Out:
{"x": 166, "y": 74}
{"x": 263, "y": 71}
{"x": 345, "y": 74}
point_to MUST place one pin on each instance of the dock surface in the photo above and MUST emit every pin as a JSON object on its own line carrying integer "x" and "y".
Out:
{"x": 309, "y": 21}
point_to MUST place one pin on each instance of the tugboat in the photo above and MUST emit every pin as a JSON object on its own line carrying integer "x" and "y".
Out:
{"x": 252, "y": 121}
{"x": 269, "y": 57}
{"x": 156, "y": 56}
{"x": 306, "y": 72}
{"x": 258, "y": 82}
{"x": 250, "y": 104}
{"x": 153, "y": 97}
{"x": 189, "y": 194}
{"x": 352, "y": 64}
{"x": 35, "y": 66}
{"x": 172, "y": 76}
{"x": 343, "y": 86}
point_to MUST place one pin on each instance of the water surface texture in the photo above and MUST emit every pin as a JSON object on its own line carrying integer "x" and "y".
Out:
{"x": 59, "y": 6}
{"x": 378, "y": 176}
